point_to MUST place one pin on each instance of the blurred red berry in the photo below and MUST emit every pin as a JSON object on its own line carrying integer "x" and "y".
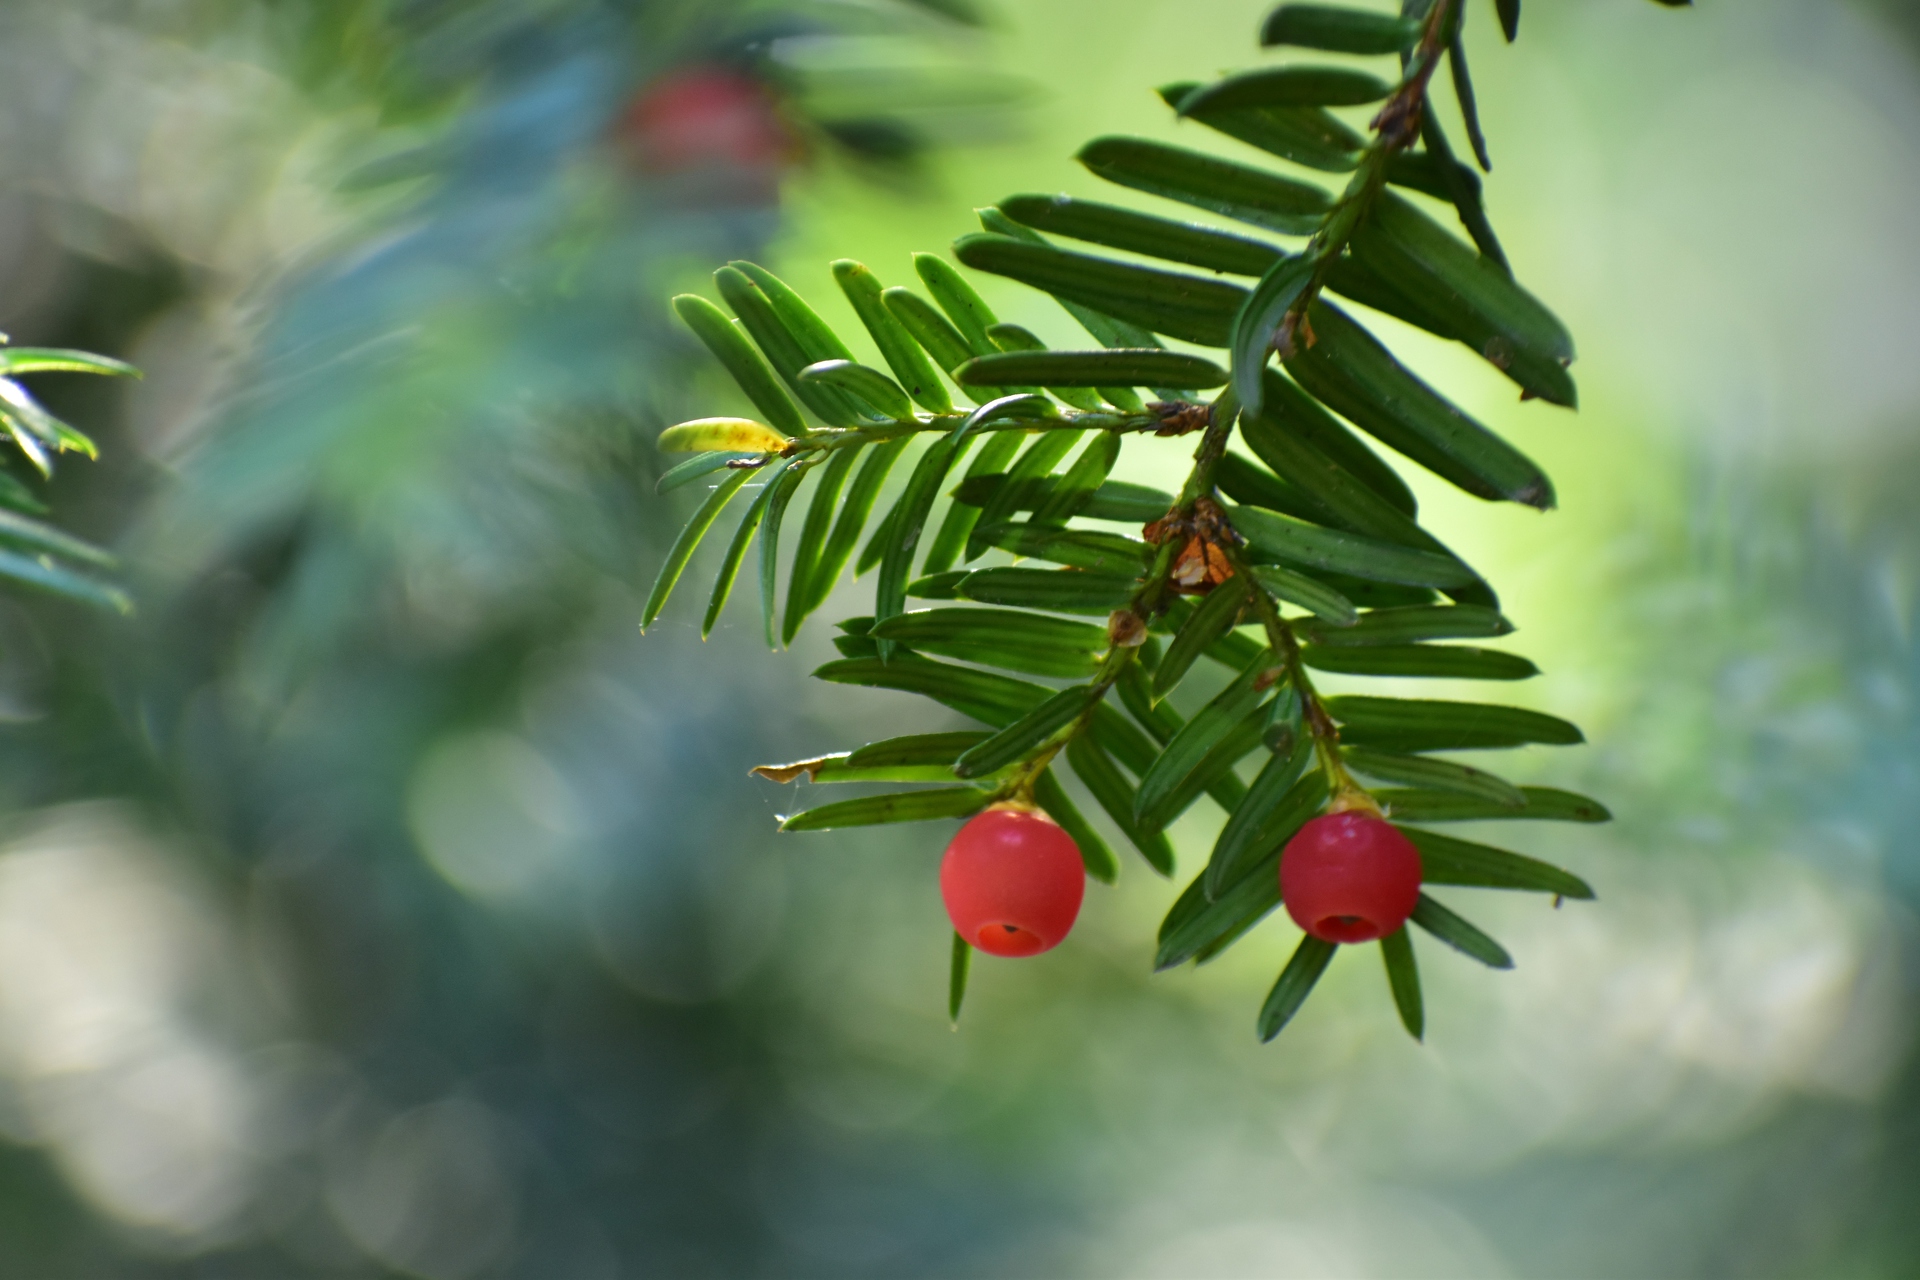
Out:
{"x": 1013, "y": 882}
{"x": 1349, "y": 877}
{"x": 707, "y": 117}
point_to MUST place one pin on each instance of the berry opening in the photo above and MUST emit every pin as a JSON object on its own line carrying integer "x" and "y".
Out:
{"x": 1003, "y": 939}
{"x": 1346, "y": 929}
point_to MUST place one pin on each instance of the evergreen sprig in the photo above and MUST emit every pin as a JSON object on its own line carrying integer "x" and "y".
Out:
{"x": 1307, "y": 556}
{"x": 33, "y": 553}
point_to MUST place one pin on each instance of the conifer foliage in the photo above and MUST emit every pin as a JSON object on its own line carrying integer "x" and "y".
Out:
{"x": 33, "y": 553}
{"x": 1292, "y": 547}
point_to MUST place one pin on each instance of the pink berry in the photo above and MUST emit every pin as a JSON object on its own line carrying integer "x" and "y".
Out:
{"x": 1349, "y": 877}
{"x": 1012, "y": 881}
{"x": 704, "y": 117}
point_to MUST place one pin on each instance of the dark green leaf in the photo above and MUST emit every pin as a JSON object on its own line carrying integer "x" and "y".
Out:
{"x": 1058, "y": 590}
{"x": 816, "y": 336}
{"x": 1233, "y": 650}
{"x": 1135, "y": 232}
{"x": 1237, "y": 191}
{"x": 1509, "y": 11}
{"x": 1255, "y": 486}
{"x": 43, "y": 575}
{"x": 1020, "y": 738}
{"x": 38, "y": 536}
{"x": 1435, "y": 775}
{"x": 1037, "y": 461}
{"x": 1218, "y": 612}
{"x": 1463, "y": 186}
{"x": 856, "y": 647}
{"x": 754, "y": 302}
{"x": 1278, "y": 803}
{"x": 1416, "y": 724}
{"x": 1403, "y": 978}
{"x": 1095, "y": 856}
{"x": 1191, "y": 308}
{"x": 15, "y": 496}
{"x": 693, "y": 468}
{"x": 1458, "y": 934}
{"x": 1113, "y": 500}
{"x": 1257, "y": 325}
{"x": 1206, "y": 746}
{"x": 991, "y": 699}
{"x": 1120, "y": 738}
{"x": 1110, "y": 367}
{"x": 940, "y": 749}
{"x": 963, "y": 514}
{"x": 1109, "y": 788}
{"x": 1013, "y": 339}
{"x": 782, "y": 490}
{"x": 1291, "y": 422}
{"x": 1543, "y": 803}
{"x": 1411, "y": 623}
{"x": 1463, "y": 93}
{"x": 1020, "y": 407}
{"x": 1444, "y": 662}
{"x": 853, "y": 518}
{"x": 841, "y": 766}
{"x": 1294, "y": 985}
{"x": 1445, "y": 860}
{"x": 801, "y": 594}
{"x": 933, "y": 331}
{"x": 1075, "y": 489}
{"x": 1289, "y": 86}
{"x": 1350, "y": 277}
{"x": 1348, "y": 370}
{"x": 689, "y": 539}
{"x": 1030, "y": 642}
{"x": 1310, "y": 136}
{"x": 1298, "y": 542}
{"x": 1196, "y": 929}
{"x": 1286, "y": 717}
{"x": 957, "y": 977}
{"x": 901, "y": 806}
{"x": 1422, "y": 171}
{"x": 902, "y": 353}
{"x": 880, "y": 395}
{"x": 1472, "y": 299}
{"x": 1079, "y": 548}
{"x": 1338, "y": 30}
{"x": 1105, "y": 329}
{"x": 1119, "y": 500}
{"x": 938, "y": 586}
{"x": 771, "y": 475}
{"x": 1297, "y": 588}
{"x": 1375, "y": 595}
{"x": 1135, "y": 687}
{"x": 834, "y": 769}
{"x": 904, "y": 525}
{"x": 711, "y": 326}
{"x": 966, "y": 308}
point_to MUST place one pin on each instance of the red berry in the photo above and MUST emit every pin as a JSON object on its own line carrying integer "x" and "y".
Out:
{"x": 708, "y": 116}
{"x": 1013, "y": 882}
{"x": 1349, "y": 877}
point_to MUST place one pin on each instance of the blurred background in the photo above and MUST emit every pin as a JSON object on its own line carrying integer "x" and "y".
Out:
{"x": 378, "y": 901}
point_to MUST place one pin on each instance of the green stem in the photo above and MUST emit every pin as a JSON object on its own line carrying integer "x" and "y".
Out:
{"x": 1320, "y": 725}
{"x": 1396, "y": 126}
